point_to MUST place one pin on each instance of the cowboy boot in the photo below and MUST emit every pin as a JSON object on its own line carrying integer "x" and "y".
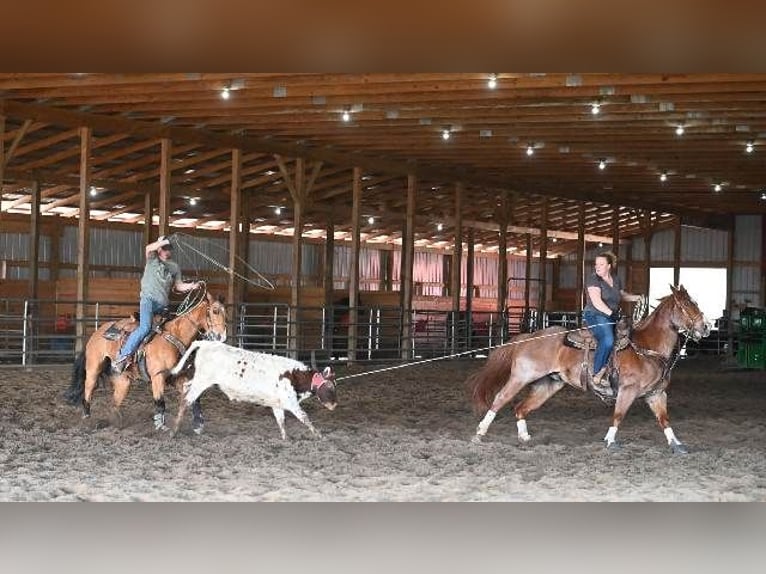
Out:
{"x": 600, "y": 383}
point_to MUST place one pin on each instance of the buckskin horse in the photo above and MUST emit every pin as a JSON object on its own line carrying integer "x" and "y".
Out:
{"x": 205, "y": 318}
{"x": 543, "y": 361}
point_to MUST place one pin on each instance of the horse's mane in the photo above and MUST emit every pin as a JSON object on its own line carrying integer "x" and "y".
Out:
{"x": 643, "y": 323}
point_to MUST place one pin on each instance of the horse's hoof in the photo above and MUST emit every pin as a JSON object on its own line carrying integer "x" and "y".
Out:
{"x": 614, "y": 446}
{"x": 525, "y": 438}
{"x": 198, "y": 430}
{"x": 678, "y": 448}
{"x": 476, "y": 439}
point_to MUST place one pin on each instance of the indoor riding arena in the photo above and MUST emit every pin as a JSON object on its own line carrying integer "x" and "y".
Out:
{"x": 420, "y": 234}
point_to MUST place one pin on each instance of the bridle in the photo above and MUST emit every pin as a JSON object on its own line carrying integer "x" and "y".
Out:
{"x": 692, "y": 320}
{"x": 208, "y": 319}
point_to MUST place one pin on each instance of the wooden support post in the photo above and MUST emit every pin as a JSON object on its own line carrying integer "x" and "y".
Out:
{"x": 147, "y": 234}
{"x": 616, "y": 232}
{"x": 2, "y": 161}
{"x": 580, "y": 258}
{"x": 677, "y": 236}
{"x": 297, "y": 263}
{"x": 470, "y": 262}
{"x": 34, "y": 241}
{"x": 55, "y": 262}
{"x": 457, "y": 256}
{"x": 83, "y": 236}
{"x": 543, "y": 273}
{"x": 408, "y": 259}
{"x": 328, "y": 283}
{"x": 166, "y": 166}
{"x": 234, "y": 293}
{"x": 353, "y": 272}
{"x": 503, "y": 216}
{"x": 528, "y": 283}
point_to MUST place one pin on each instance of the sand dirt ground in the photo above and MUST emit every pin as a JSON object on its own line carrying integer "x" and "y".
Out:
{"x": 401, "y": 435}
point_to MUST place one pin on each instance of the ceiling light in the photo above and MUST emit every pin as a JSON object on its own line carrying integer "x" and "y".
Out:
{"x": 346, "y": 116}
{"x": 663, "y": 176}
{"x": 278, "y": 210}
{"x": 93, "y": 191}
{"x": 440, "y": 226}
{"x": 763, "y": 195}
{"x": 555, "y": 239}
{"x": 680, "y": 130}
{"x": 225, "y": 92}
{"x": 595, "y": 108}
{"x": 602, "y": 164}
{"x": 445, "y": 134}
{"x": 192, "y": 201}
{"x": 749, "y": 147}
{"x": 530, "y": 149}
{"x": 370, "y": 220}
{"x": 492, "y": 81}
{"x": 718, "y": 187}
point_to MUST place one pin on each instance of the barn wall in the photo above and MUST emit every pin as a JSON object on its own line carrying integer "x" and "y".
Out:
{"x": 116, "y": 252}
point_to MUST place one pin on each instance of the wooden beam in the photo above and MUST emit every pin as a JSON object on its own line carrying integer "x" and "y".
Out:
{"x": 166, "y": 166}
{"x": 408, "y": 263}
{"x": 22, "y": 131}
{"x": 580, "y": 257}
{"x": 677, "y": 237}
{"x": 83, "y": 236}
{"x": 296, "y": 271}
{"x": 543, "y": 273}
{"x": 234, "y": 295}
{"x": 34, "y": 242}
{"x": 353, "y": 272}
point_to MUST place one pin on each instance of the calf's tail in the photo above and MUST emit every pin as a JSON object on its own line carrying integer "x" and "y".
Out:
{"x": 181, "y": 365}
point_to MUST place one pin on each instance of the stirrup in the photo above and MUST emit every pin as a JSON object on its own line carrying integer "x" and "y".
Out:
{"x": 120, "y": 365}
{"x": 602, "y": 386}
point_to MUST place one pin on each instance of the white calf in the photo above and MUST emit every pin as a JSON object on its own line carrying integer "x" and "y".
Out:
{"x": 267, "y": 380}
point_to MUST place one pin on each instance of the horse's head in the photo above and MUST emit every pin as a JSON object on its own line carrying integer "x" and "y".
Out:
{"x": 213, "y": 326}
{"x": 687, "y": 316}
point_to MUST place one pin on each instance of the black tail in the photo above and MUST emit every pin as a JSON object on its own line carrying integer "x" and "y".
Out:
{"x": 73, "y": 395}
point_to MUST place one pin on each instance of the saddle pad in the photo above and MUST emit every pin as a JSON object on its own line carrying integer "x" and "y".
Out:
{"x": 584, "y": 339}
{"x": 113, "y": 333}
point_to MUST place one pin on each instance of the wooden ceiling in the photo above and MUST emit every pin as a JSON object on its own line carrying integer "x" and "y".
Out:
{"x": 395, "y": 127}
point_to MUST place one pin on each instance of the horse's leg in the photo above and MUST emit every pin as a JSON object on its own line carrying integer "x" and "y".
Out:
{"x": 93, "y": 366}
{"x": 539, "y": 392}
{"x": 158, "y": 393}
{"x": 181, "y": 411}
{"x": 625, "y": 397}
{"x": 121, "y": 384}
{"x": 502, "y": 398}
{"x": 658, "y": 403}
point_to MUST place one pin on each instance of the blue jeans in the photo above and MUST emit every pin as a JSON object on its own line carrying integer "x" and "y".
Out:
{"x": 147, "y": 308}
{"x": 604, "y": 334}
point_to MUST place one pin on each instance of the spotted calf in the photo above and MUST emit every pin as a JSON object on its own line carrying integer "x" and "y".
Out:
{"x": 260, "y": 378}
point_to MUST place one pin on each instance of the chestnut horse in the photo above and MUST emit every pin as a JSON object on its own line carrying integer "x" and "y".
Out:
{"x": 542, "y": 361}
{"x": 206, "y": 319}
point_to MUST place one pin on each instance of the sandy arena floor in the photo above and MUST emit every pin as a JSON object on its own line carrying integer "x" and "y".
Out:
{"x": 402, "y": 435}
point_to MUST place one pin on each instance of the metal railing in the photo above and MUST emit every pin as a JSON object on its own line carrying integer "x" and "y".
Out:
{"x": 44, "y": 331}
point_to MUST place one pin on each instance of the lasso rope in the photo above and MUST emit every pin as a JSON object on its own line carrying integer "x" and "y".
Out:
{"x": 186, "y": 244}
{"x": 452, "y": 356}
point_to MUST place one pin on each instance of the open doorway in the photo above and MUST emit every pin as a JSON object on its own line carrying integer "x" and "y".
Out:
{"x": 706, "y": 285}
